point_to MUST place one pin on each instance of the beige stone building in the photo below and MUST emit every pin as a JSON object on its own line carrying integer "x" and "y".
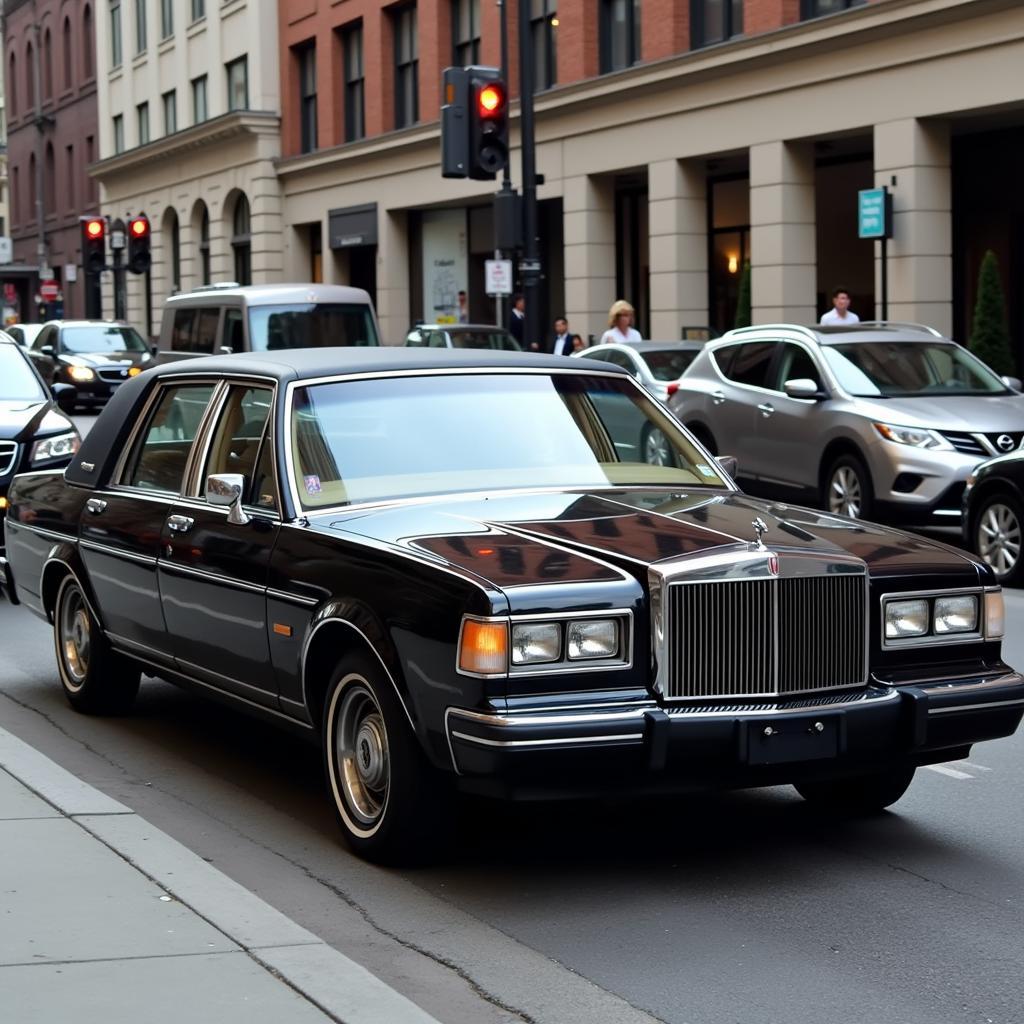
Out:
{"x": 189, "y": 130}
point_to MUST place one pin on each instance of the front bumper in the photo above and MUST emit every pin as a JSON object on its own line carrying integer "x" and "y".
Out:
{"x": 916, "y": 485}
{"x": 578, "y": 751}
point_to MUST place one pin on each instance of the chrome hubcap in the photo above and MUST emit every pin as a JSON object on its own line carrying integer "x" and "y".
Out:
{"x": 361, "y": 743}
{"x": 999, "y": 538}
{"x": 844, "y": 492}
{"x": 656, "y": 450}
{"x": 75, "y": 638}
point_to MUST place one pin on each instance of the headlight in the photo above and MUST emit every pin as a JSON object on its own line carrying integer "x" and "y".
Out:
{"x": 995, "y": 615}
{"x": 536, "y": 642}
{"x": 81, "y": 373}
{"x": 598, "y": 638}
{"x": 914, "y": 436}
{"x": 906, "y": 618}
{"x": 61, "y": 446}
{"x": 956, "y": 614}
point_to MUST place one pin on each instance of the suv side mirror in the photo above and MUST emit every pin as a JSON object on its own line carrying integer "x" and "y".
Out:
{"x": 1013, "y": 383}
{"x": 226, "y": 490}
{"x": 47, "y": 350}
{"x": 728, "y": 464}
{"x": 64, "y": 395}
{"x": 802, "y": 387}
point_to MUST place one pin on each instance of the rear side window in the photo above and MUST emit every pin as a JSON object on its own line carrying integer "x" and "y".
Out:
{"x": 181, "y": 332}
{"x": 311, "y": 325}
{"x": 750, "y": 363}
{"x": 234, "y": 331}
{"x": 195, "y": 330}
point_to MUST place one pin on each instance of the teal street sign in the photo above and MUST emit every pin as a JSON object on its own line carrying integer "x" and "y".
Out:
{"x": 873, "y": 213}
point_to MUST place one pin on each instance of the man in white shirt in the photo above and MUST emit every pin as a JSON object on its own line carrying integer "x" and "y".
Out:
{"x": 840, "y": 312}
{"x": 565, "y": 342}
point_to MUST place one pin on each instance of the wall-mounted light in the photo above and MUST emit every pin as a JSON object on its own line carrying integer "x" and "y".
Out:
{"x": 554, "y": 21}
{"x": 734, "y": 263}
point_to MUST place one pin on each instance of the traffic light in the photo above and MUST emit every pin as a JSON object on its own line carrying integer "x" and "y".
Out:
{"x": 139, "y": 258}
{"x": 94, "y": 244}
{"x": 488, "y": 120}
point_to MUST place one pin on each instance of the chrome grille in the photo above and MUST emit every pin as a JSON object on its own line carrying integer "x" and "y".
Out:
{"x": 112, "y": 375}
{"x": 966, "y": 443}
{"x": 8, "y": 456}
{"x": 766, "y": 637}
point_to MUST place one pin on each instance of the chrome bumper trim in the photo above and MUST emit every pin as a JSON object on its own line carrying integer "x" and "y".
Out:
{"x": 978, "y": 707}
{"x": 630, "y": 737}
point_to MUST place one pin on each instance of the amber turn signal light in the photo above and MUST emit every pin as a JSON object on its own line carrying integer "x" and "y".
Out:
{"x": 483, "y": 649}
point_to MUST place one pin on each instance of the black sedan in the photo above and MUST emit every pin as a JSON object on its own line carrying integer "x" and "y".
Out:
{"x": 33, "y": 434}
{"x": 95, "y": 356}
{"x": 352, "y": 543}
{"x": 993, "y": 515}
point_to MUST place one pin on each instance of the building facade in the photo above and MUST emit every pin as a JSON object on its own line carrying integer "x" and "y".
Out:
{"x": 189, "y": 130}
{"x": 678, "y": 139}
{"x": 50, "y": 104}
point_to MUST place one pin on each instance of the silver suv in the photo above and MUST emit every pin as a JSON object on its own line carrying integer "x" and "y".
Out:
{"x": 876, "y": 420}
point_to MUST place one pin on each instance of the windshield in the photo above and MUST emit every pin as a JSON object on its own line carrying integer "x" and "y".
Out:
{"x": 311, "y": 325}
{"x": 668, "y": 364}
{"x": 483, "y": 339}
{"x": 908, "y": 369}
{"x": 373, "y": 440}
{"x": 102, "y": 338}
{"x": 17, "y": 381}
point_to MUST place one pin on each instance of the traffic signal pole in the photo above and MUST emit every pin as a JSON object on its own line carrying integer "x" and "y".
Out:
{"x": 529, "y": 265}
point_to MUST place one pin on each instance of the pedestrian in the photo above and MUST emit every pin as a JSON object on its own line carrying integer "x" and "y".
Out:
{"x": 517, "y": 318}
{"x": 463, "y": 312}
{"x": 620, "y": 330}
{"x": 840, "y": 313}
{"x": 564, "y": 342}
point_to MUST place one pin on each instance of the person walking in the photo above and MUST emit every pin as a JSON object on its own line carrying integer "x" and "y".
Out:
{"x": 840, "y": 313}
{"x": 565, "y": 342}
{"x": 620, "y": 330}
{"x": 517, "y": 319}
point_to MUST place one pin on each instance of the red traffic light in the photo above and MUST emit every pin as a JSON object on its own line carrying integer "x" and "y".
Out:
{"x": 94, "y": 228}
{"x": 490, "y": 99}
{"x": 138, "y": 227}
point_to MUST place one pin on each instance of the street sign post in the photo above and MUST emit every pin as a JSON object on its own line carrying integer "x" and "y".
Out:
{"x": 874, "y": 221}
{"x": 49, "y": 290}
{"x": 498, "y": 277}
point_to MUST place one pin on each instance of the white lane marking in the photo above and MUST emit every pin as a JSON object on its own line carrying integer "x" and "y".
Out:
{"x": 971, "y": 764}
{"x": 951, "y": 772}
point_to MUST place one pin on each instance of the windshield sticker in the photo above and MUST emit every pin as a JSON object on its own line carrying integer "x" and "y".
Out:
{"x": 705, "y": 470}
{"x": 312, "y": 484}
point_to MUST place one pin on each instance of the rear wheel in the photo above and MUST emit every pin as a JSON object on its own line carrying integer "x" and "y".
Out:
{"x": 655, "y": 447}
{"x": 847, "y": 488}
{"x": 95, "y": 678}
{"x": 860, "y": 795}
{"x": 998, "y": 533}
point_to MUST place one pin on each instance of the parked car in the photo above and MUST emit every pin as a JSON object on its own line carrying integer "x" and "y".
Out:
{"x": 23, "y": 334}
{"x": 658, "y": 365}
{"x": 880, "y": 420}
{"x": 342, "y": 543}
{"x": 993, "y": 515}
{"x": 478, "y": 336}
{"x": 94, "y": 356}
{"x": 228, "y": 317}
{"x": 33, "y": 434}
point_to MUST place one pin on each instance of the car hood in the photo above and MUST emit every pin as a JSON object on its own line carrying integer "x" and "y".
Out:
{"x": 543, "y": 538}
{"x": 94, "y": 359}
{"x": 20, "y": 420}
{"x": 976, "y": 414}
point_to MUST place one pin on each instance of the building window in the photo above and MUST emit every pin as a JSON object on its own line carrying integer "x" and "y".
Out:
{"x": 172, "y": 230}
{"x": 12, "y": 86}
{"x": 199, "y": 109}
{"x": 198, "y": 9}
{"x": 407, "y": 96}
{"x": 238, "y": 84}
{"x": 714, "y": 21}
{"x": 16, "y": 196}
{"x": 30, "y": 85}
{"x": 142, "y": 112}
{"x": 119, "y": 134}
{"x": 170, "y": 112}
{"x": 819, "y": 8}
{"x": 166, "y": 19}
{"x": 306, "y": 56}
{"x": 47, "y": 65}
{"x": 241, "y": 241}
{"x": 33, "y": 213}
{"x": 204, "y": 244}
{"x": 355, "y": 107}
{"x": 543, "y": 23}
{"x": 90, "y": 155}
{"x": 620, "y": 34}
{"x": 465, "y": 32}
{"x": 115, "y": 35}
{"x": 67, "y": 55}
{"x": 140, "y": 26}
{"x": 49, "y": 181}
{"x": 69, "y": 169}
{"x": 87, "y": 42}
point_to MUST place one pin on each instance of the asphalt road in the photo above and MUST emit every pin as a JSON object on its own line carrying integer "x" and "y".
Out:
{"x": 737, "y": 909}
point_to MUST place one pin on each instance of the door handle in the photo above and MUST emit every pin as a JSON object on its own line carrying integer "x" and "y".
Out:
{"x": 717, "y": 397}
{"x": 180, "y": 524}
{"x": 95, "y": 506}
{"x": 766, "y": 409}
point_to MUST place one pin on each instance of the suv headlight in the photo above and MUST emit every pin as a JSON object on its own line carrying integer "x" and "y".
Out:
{"x": 914, "y": 436}
{"x": 60, "y": 446}
{"x": 81, "y": 373}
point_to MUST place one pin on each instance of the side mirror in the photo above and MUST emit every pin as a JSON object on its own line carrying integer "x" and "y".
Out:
{"x": 802, "y": 387}
{"x": 225, "y": 490}
{"x": 1013, "y": 383}
{"x": 226, "y": 350}
{"x": 728, "y": 465}
{"x": 65, "y": 396}
{"x": 47, "y": 350}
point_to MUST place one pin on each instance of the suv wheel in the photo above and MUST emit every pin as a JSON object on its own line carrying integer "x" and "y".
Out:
{"x": 997, "y": 536}
{"x": 847, "y": 489}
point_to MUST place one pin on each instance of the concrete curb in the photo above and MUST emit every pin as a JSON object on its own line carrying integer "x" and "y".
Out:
{"x": 331, "y": 981}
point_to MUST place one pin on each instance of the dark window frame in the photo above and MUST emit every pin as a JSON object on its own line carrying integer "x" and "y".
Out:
{"x": 543, "y": 16}
{"x": 465, "y": 47}
{"x": 241, "y": 240}
{"x": 810, "y": 8}
{"x": 305, "y": 63}
{"x": 229, "y": 68}
{"x": 606, "y": 26}
{"x": 732, "y": 22}
{"x": 354, "y": 72}
{"x": 407, "y": 92}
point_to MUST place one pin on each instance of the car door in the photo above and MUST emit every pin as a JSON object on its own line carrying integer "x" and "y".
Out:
{"x": 734, "y": 413}
{"x": 45, "y": 362}
{"x": 120, "y": 532}
{"x": 213, "y": 572}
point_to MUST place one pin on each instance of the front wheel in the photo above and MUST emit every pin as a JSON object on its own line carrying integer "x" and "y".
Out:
{"x": 95, "y": 678}
{"x": 392, "y": 805}
{"x": 848, "y": 490}
{"x": 998, "y": 529}
{"x": 861, "y": 795}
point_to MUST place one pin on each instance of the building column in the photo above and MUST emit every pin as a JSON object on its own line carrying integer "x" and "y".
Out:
{"x": 392, "y": 275}
{"x": 588, "y": 209}
{"x": 265, "y": 229}
{"x": 678, "y": 219}
{"x": 913, "y": 158}
{"x": 782, "y": 223}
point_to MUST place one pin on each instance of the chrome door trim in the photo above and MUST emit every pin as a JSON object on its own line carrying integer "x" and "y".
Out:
{"x": 128, "y": 556}
{"x": 212, "y": 577}
{"x": 15, "y": 524}
{"x": 283, "y": 595}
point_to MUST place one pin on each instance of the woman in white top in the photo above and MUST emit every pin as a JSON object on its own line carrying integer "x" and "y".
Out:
{"x": 619, "y": 332}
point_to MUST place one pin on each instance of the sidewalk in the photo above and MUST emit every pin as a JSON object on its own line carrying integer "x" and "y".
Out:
{"x": 106, "y": 920}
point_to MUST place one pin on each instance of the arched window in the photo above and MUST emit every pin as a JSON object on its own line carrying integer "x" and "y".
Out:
{"x": 47, "y": 65}
{"x": 172, "y": 232}
{"x": 87, "y": 42}
{"x": 49, "y": 182}
{"x": 16, "y": 196}
{"x": 241, "y": 241}
{"x": 204, "y": 243}
{"x": 31, "y": 213}
{"x": 12, "y": 86}
{"x": 66, "y": 50}
{"x": 30, "y": 85}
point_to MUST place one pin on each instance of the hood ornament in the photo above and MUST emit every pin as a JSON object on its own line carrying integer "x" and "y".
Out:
{"x": 760, "y": 529}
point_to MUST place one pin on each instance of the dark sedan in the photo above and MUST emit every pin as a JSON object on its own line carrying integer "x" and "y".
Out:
{"x": 352, "y": 543}
{"x": 33, "y": 434}
{"x": 993, "y": 515}
{"x": 95, "y": 356}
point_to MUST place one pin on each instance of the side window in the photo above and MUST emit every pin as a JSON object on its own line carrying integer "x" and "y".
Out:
{"x": 751, "y": 362}
{"x": 723, "y": 358}
{"x": 794, "y": 362}
{"x": 237, "y": 440}
{"x": 44, "y": 337}
{"x": 15, "y": 333}
{"x": 157, "y": 462}
{"x": 205, "y": 336}
{"x": 234, "y": 333}
{"x": 621, "y": 359}
{"x": 181, "y": 333}
{"x": 436, "y": 339}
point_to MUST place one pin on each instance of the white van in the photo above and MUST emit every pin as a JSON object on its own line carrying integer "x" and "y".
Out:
{"x": 260, "y": 318}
